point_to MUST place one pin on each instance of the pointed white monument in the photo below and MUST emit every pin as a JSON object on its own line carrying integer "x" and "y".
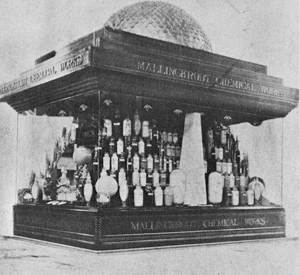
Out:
{"x": 192, "y": 161}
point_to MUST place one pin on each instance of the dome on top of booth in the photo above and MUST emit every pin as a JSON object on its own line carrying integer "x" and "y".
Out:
{"x": 163, "y": 21}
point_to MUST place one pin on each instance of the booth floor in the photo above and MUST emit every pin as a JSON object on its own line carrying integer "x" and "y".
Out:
{"x": 274, "y": 256}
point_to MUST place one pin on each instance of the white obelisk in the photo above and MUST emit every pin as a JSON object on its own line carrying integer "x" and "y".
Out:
{"x": 192, "y": 161}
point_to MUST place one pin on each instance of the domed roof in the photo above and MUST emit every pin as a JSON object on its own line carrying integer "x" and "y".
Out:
{"x": 161, "y": 21}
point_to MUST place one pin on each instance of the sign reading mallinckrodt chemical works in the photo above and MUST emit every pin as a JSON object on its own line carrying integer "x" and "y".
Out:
{"x": 211, "y": 79}
{"x": 46, "y": 73}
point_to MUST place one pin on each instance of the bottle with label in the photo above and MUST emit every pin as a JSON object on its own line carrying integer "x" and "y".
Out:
{"x": 224, "y": 166}
{"x": 215, "y": 188}
{"x": 117, "y": 124}
{"x": 235, "y": 197}
{"x": 145, "y": 129}
{"x": 122, "y": 161}
{"x": 156, "y": 178}
{"x": 250, "y": 197}
{"x": 127, "y": 127}
{"x": 219, "y": 166}
{"x": 136, "y": 162}
{"x": 229, "y": 166}
{"x": 168, "y": 196}
{"x": 88, "y": 189}
{"x": 114, "y": 162}
{"x": 143, "y": 165}
{"x": 226, "y": 180}
{"x": 129, "y": 167}
{"x": 237, "y": 182}
{"x": 148, "y": 149}
{"x": 227, "y": 200}
{"x": 137, "y": 123}
{"x": 108, "y": 127}
{"x": 120, "y": 146}
{"x": 149, "y": 163}
{"x": 135, "y": 177}
{"x": 232, "y": 180}
{"x": 148, "y": 196}
{"x": 106, "y": 162}
{"x": 163, "y": 178}
{"x": 223, "y": 137}
{"x": 242, "y": 180}
{"x": 134, "y": 144}
{"x": 156, "y": 162}
{"x": 243, "y": 196}
{"x": 123, "y": 189}
{"x": 112, "y": 146}
{"x": 141, "y": 146}
{"x": 158, "y": 195}
{"x": 138, "y": 196}
{"x": 143, "y": 178}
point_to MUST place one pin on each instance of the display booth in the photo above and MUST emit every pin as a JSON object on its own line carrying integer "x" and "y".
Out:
{"x": 133, "y": 142}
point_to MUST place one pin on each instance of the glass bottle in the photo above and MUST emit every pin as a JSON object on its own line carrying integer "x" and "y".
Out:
{"x": 108, "y": 127}
{"x": 156, "y": 178}
{"x": 141, "y": 145}
{"x": 114, "y": 162}
{"x": 156, "y": 162}
{"x": 149, "y": 163}
{"x": 122, "y": 161}
{"x": 250, "y": 197}
{"x": 227, "y": 201}
{"x": 112, "y": 146}
{"x": 117, "y": 124}
{"x": 138, "y": 196}
{"x": 148, "y": 149}
{"x": 143, "y": 162}
{"x": 127, "y": 127}
{"x": 168, "y": 196}
{"x": 137, "y": 123}
{"x": 136, "y": 162}
{"x": 235, "y": 197}
{"x": 148, "y": 196}
{"x": 120, "y": 146}
{"x": 134, "y": 145}
{"x": 237, "y": 155}
{"x": 135, "y": 177}
{"x": 243, "y": 196}
{"x": 158, "y": 195}
{"x": 88, "y": 189}
{"x": 106, "y": 162}
{"x": 143, "y": 178}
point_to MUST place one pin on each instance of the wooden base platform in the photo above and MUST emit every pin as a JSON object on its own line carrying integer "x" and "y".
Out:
{"x": 121, "y": 228}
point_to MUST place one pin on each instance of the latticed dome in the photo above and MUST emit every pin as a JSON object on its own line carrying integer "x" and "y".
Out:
{"x": 161, "y": 21}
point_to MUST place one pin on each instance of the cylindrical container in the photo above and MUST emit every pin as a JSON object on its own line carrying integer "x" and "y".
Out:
{"x": 143, "y": 178}
{"x": 168, "y": 196}
{"x": 138, "y": 196}
{"x": 243, "y": 197}
{"x": 215, "y": 188}
{"x": 158, "y": 195}
{"x": 250, "y": 197}
{"x": 235, "y": 197}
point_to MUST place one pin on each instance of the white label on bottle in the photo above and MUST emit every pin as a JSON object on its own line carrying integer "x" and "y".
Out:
{"x": 143, "y": 178}
{"x": 106, "y": 162}
{"x": 145, "y": 129}
{"x": 120, "y": 146}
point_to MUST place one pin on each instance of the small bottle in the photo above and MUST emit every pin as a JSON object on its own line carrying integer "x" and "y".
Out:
{"x": 88, "y": 189}
{"x": 232, "y": 180}
{"x": 158, "y": 195}
{"x": 137, "y": 123}
{"x": 224, "y": 166}
{"x": 227, "y": 201}
{"x": 148, "y": 196}
{"x": 143, "y": 178}
{"x": 156, "y": 162}
{"x": 112, "y": 146}
{"x": 168, "y": 196}
{"x": 108, "y": 127}
{"x": 138, "y": 196}
{"x": 143, "y": 162}
{"x": 135, "y": 177}
{"x": 136, "y": 162}
{"x": 122, "y": 161}
{"x": 149, "y": 164}
{"x": 243, "y": 196}
{"x": 155, "y": 178}
{"x": 145, "y": 129}
{"x": 120, "y": 146}
{"x": 117, "y": 124}
{"x": 134, "y": 144}
{"x": 114, "y": 162}
{"x": 127, "y": 127}
{"x": 141, "y": 146}
{"x": 163, "y": 178}
{"x": 106, "y": 162}
{"x": 235, "y": 197}
{"x": 226, "y": 180}
{"x": 221, "y": 153}
{"x": 148, "y": 148}
{"x": 250, "y": 197}
{"x": 219, "y": 165}
{"x": 242, "y": 181}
